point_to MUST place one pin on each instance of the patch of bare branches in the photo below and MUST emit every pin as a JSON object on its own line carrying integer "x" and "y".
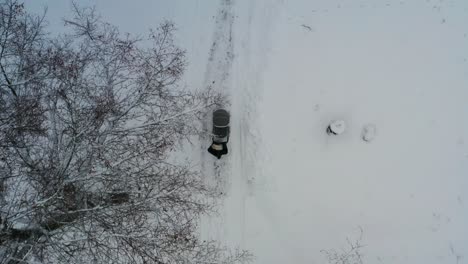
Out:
{"x": 350, "y": 254}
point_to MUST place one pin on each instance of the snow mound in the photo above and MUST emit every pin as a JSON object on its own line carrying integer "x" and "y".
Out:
{"x": 369, "y": 132}
{"x": 337, "y": 127}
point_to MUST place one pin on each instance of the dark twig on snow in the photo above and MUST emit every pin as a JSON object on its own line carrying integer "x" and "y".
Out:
{"x": 307, "y": 27}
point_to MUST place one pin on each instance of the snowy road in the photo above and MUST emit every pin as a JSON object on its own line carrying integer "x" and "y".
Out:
{"x": 237, "y": 76}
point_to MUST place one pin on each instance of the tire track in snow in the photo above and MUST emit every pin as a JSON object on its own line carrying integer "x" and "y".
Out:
{"x": 217, "y": 74}
{"x": 217, "y": 78}
{"x": 221, "y": 52}
{"x": 253, "y": 33}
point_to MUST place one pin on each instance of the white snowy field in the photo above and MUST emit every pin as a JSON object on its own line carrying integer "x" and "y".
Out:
{"x": 291, "y": 67}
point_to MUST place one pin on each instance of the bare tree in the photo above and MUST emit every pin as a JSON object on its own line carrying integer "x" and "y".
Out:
{"x": 87, "y": 123}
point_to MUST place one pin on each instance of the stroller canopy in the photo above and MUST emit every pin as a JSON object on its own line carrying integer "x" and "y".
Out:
{"x": 220, "y": 123}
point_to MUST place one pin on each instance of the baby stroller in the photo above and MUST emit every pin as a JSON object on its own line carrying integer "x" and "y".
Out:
{"x": 220, "y": 133}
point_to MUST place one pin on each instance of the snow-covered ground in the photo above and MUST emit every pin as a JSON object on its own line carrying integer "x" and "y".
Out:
{"x": 393, "y": 71}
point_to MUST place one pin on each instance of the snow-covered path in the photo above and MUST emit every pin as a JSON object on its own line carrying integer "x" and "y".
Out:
{"x": 237, "y": 75}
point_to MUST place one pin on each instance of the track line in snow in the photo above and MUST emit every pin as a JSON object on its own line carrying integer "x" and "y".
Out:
{"x": 252, "y": 32}
{"x": 217, "y": 73}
